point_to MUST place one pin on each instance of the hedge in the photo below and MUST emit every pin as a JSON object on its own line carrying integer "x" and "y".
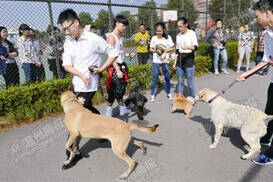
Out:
{"x": 29, "y": 103}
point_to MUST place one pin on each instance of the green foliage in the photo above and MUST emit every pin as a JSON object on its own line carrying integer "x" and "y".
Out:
{"x": 32, "y": 102}
{"x": 188, "y": 5}
{"x": 85, "y": 18}
{"x": 217, "y": 6}
{"x": 102, "y": 22}
{"x": 144, "y": 14}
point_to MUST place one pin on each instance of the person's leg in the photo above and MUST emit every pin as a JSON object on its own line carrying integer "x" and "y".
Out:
{"x": 146, "y": 57}
{"x": 110, "y": 100}
{"x": 165, "y": 70}
{"x": 224, "y": 58}
{"x": 16, "y": 77}
{"x": 216, "y": 53}
{"x": 269, "y": 111}
{"x": 241, "y": 56}
{"x": 33, "y": 72}
{"x": 140, "y": 58}
{"x": 259, "y": 56}
{"x": 9, "y": 77}
{"x": 26, "y": 68}
{"x": 190, "y": 80}
{"x": 180, "y": 77}
{"x": 87, "y": 96}
{"x": 248, "y": 54}
{"x": 155, "y": 77}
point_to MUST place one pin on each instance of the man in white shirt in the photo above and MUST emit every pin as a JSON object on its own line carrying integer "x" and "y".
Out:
{"x": 83, "y": 49}
{"x": 264, "y": 14}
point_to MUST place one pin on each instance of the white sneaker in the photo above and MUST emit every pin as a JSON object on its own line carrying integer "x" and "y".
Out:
{"x": 152, "y": 98}
{"x": 123, "y": 110}
{"x": 216, "y": 72}
{"x": 170, "y": 96}
{"x": 225, "y": 71}
{"x": 109, "y": 111}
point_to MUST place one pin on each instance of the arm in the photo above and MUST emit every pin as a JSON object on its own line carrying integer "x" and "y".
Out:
{"x": 73, "y": 71}
{"x": 243, "y": 76}
{"x": 111, "y": 40}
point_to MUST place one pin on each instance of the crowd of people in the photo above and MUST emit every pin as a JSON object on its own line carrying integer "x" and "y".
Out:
{"x": 26, "y": 53}
{"x": 83, "y": 48}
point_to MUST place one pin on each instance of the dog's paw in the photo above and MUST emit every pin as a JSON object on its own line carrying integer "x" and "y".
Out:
{"x": 65, "y": 163}
{"x": 212, "y": 146}
{"x": 245, "y": 157}
{"x": 124, "y": 176}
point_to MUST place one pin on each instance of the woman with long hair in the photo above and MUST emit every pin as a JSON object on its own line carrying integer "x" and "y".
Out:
{"x": 186, "y": 44}
{"x": 161, "y": 44}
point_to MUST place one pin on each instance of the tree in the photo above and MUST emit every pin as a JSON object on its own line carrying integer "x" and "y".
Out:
{"x": 188, "y": 5}
{"x": 145, "y": 14}
{"x": 85, "y": 18}
{"x": 102, "y": 22}
{"x": 233, "y": 17}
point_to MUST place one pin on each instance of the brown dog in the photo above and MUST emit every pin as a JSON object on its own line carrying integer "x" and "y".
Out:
{"x": 81, "y": 122}
{"x": 182, "y": 103}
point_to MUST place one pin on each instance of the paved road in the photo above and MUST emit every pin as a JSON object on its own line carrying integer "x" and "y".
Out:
{"x": 177, "y": 152}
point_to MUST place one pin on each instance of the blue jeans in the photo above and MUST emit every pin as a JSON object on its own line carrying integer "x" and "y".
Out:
{"x": 259, "y": 58}
{"x": 180, "y": 72}
{"x": 27, "y": 70}
{"x": 165, "y": 69}
{"x": 217, "y": 53}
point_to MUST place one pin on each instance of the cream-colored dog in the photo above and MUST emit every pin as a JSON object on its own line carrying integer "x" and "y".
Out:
{"x": 81, "y": 122}
{"x": 251, "y": 121}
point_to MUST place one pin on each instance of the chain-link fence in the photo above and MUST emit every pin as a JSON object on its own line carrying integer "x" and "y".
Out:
{"x": 41, "y": 16}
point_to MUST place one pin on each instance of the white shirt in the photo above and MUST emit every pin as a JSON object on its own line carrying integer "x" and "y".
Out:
{"x": 165, "y": 42}
{"x": 186, "y": 39}
{"x": 82, "y": 53}
{"x": 119, "y": 47}
{"x": 24, "y": 47}
{"x": 268, "y": 46}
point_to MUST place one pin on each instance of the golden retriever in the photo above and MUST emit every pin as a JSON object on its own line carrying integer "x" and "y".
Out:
{"x": 250, "y": 121}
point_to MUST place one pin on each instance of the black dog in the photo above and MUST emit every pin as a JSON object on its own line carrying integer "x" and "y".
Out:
{"x": 138, "y": 100}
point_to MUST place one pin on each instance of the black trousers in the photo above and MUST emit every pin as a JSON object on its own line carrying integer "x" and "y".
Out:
{"x": 12, "y": 76}
{"x": 88, "y": 100}
{"x": 269, "y": 111}
{"x": 142, "y": 57}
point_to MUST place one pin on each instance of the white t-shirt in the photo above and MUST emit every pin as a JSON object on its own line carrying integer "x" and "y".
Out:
{"x": 268, "y": 46}
{"x": 186, "y": 39}
{"x": 119, "y": 47}
{"x": 165, "y": 42}
{"x": 82, "y": 53}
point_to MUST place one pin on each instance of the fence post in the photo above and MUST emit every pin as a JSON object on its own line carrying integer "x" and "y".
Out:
{"x": 54, "y": 38}
{"x": 152, "y": 18}
{"x": 110, "y": 15}
{"x": 206, "y": 17}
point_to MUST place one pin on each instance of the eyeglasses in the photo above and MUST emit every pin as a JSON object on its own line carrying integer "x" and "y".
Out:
{"x": 66, "y": 28}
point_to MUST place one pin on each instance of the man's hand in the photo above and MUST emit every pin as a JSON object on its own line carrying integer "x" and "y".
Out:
{"x": 85, "y": 79}
{"x": 242, "y": 77}
{"x": 97, "y": 70}
{"x": 174, "y": 66}
{"x": 214, "y": 45}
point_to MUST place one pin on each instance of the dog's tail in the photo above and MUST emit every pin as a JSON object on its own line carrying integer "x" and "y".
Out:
{"x": 268, "y": 118}
{"x": 134, "y": 126}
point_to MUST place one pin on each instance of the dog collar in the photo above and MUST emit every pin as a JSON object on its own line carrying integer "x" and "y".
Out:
{"x": 73, "y": 97}
{"x": 213, "y": 98}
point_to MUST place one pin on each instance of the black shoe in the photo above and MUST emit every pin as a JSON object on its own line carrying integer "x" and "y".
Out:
{"x": 73, "y": 162}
